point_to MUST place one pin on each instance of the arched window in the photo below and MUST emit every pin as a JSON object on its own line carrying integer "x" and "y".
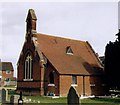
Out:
{"x": 28, "y": 67}
{"x": 51, "y": 78}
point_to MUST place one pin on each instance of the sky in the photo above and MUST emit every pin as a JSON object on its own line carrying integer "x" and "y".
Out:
{"x": 95, "y": 22}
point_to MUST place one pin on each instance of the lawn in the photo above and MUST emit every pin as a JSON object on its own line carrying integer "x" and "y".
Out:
{"x": 63, "y": 100}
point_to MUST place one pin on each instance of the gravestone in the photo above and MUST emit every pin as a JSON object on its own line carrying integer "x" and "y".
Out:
{"x": 3, "y": 96}
{"x": 12, "y": 100}
{"x": 20, "y": 100}
{"x": 73, "y": 97}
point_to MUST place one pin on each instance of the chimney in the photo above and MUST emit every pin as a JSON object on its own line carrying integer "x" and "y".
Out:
{"x": 31, "y": 22}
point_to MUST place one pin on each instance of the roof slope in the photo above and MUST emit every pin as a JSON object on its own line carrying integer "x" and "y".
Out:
{"x": 6, "y": 66}
{"x": 82, "y": 62}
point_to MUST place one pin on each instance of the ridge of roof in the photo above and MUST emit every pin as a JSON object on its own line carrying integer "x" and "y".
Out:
{"x": 95, "y": 57}
{"x": 58, "y": 37}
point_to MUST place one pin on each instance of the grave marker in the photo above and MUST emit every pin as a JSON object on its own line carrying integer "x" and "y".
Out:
{"x": 73, "y": 97}
{"x": 20, "y": 100}
{"x": 3, "y": 96}
{"x": 12, "y": 100}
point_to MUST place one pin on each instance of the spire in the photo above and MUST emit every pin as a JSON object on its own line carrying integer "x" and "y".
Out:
{"x": 31, "y": 22}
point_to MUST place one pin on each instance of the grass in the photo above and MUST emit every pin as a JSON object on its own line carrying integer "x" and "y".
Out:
{"x": 63, "y": 100}
{"x": 102, "y": 100}
{"x": 115, "y": 101}
{"x": 47, "y": 99}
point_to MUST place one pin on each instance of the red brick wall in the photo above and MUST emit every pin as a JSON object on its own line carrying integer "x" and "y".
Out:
{"x": 80, "y": 85}
{"x": 98, "y": 89}
{"x": 66, "y": 80}
{"x": 36, "y": 83}
{"x": 87, "y": 86}
{"x": 54, "y": 89}
{"x": 65, "y": 83}
{"x": 7, "y": 75}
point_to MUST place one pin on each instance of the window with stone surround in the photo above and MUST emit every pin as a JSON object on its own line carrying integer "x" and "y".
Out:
{"x": 28, "y": 68}
{"x": 8, "y": 72}
{"x": 51, "y": 78}
{"x": 74, "y": 79}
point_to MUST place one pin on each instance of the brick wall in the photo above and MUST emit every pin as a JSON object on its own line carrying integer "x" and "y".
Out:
{"x": 35, "y": 85}
{"x": 4, "y": 75}
{"x": 80, "y": 85}
{"x": 48, "y": 88}
{"x": 99, "y": 88}
{"x": 84, "y": 87}
{"x": 65, "y": 83}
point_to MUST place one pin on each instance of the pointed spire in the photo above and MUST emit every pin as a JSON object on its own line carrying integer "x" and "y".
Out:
{"x": 31, "y": 22}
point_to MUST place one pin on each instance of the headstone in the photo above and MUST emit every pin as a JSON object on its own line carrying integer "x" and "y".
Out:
{"x": 3, "y": 96}
{"x": 73, "y": 97}
{"x": 16, "y": 97}
{"x": 20, "y": 100}
{"x": 12, "y": 100}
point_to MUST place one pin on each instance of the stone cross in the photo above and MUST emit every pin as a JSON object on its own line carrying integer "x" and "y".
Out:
{"x": 73, "y": 97}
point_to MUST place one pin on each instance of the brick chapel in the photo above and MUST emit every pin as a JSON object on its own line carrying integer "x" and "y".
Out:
{"x": 50, "y": 65}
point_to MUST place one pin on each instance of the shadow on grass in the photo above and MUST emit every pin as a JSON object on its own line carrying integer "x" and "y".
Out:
{"x": 108, "y": 100}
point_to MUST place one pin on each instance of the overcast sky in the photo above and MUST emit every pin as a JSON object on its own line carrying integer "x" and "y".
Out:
{"x": 96, "y": 22}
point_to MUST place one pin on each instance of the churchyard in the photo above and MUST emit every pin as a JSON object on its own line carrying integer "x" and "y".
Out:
{"x": 72, "y": 98}
{"x": 63, "y": 100}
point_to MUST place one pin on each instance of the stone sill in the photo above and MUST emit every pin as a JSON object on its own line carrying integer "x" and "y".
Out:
{"x": 51, "y": 84}
{"x": 74, "y": 85}
{"x": 27, "y": 79}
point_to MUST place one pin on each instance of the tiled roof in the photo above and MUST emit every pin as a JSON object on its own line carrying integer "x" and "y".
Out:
{"x": 6, "y": 66}
{"x": 82, "y": 62}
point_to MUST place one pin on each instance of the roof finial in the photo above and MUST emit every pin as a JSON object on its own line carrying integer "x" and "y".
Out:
{"x": 31, "y": 22}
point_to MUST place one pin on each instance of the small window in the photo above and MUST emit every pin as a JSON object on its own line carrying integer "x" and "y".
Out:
{"x": 69, "y": 50}
{"x": 51, "y": 78}
{"x": 74, "y": 79}
{"x": 7, "y": 79}
{"x": 8, "y": 72}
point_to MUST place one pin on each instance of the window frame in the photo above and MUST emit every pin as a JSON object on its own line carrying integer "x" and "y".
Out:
{"x": 74, "y": 80}
{"x": 28, "y": 68}
{"x": 8, "y": 72}
{"x": 53, "y": 80}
